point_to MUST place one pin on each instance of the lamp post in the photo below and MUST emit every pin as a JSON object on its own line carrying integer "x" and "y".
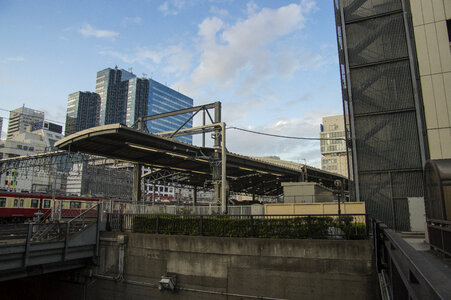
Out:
{"x": 339, "y": 186}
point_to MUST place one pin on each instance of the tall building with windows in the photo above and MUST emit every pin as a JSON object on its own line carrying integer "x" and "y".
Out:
{"x": 333, "y": 146}
{"x": 395, "y": 65}
{"x": 163, "y": 99}
{"x": 121, "y": 97}
{"x": 82, "y": 111}
{"x": 22, "y": 117}
{"x": 137, "y": 99}
{"x": 112, "y": 87}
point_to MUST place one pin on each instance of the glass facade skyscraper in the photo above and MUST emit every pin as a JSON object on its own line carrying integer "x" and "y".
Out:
{"x": 121, "y": 97}
{"x": 164, "y": 99}
{"x": 82, "y": 111}
{"x": 112, "y": 87}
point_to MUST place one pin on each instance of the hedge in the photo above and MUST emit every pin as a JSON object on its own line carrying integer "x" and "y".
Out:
{"x": 223, "y": 226}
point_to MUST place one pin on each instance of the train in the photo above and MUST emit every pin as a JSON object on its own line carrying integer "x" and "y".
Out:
{"x": 25, "y": 207}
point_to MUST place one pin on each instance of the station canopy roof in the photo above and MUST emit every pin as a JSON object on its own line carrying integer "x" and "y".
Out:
{"x": 194, "y": 164}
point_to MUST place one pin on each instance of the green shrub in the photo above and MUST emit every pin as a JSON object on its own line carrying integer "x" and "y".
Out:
{"x": 225, "y": 226}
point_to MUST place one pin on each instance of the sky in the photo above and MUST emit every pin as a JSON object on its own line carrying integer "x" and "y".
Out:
{"x": 272, "y": 64}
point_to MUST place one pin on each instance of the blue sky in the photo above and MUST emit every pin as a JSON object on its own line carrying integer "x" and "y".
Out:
{"x": 272, "y": 64}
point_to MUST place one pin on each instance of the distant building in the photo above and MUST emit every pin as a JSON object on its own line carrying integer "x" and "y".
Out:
{"x": 334, "y": 151}
{"x": 137, "y": 100}
{"x": 112, "y": 87}
{"x": 395, "y": 64}
{"x": 1, "y": 127}
{"x": 121, "y": 97}
{"x": 22, "y": 117}
{"x": 29, "y": 143}
{"x": 82, "y": 111}
{"x": 163, "y": 99}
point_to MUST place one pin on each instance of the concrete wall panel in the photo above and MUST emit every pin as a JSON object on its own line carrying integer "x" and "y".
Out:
{"x": 432, "y": 44}
{"x": 417, "y": 12}
{"x": 439, "y": 10}
{"x": 430, "y": 110}
{"x": 440, "y": 101}
{"x": 428, "y": 12}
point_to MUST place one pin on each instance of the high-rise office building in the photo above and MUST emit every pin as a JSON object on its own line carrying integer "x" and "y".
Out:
{"x": 395, "y": 65}
{"x": 137, "y": 99}
{"x": 163, "y": 99}
{"x": 112, "y": 87}
{"x": 22, "y": 117}
{"x": 82, "y": 111}
{"x": 121, "y": 97}
{"x": 333, "y": 146}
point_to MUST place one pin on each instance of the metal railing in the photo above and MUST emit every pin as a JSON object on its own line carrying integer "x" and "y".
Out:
{"x": 406, "y": 273}
{"x": 264, "y": 226}
{"x": 440, "y": 235}
{"x": 187, "y": 210}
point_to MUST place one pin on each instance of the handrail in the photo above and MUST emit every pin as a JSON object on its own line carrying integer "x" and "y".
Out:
{"x": 419, "y": 276}
{"x": 83, "y": 213}
{"x": 43, "y": 216}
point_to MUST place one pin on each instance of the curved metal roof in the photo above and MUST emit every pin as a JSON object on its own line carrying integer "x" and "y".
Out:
{"x": 244, "y": 174}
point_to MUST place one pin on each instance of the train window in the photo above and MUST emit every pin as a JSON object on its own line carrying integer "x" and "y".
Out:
{"x": 74, "y": 204}
{"x": 21, "y": 203}
{"x": 34, "y": 203}
{"x": 46, "y": 203}
{"x": 2, "y": 202}
{"x": 88, "y": 204}
{"x": 16, "y": 202}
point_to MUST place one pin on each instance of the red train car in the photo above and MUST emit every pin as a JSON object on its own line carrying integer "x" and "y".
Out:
{"x": 20, "y": 207}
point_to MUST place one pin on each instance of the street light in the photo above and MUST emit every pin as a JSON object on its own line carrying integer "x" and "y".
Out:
{"x": 339, "y": 186}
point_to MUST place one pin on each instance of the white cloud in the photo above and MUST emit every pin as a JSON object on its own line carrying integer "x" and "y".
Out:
{"x": 173, "y": 59}
{"x": 171, "y": 7}
{"x": 288, "y": 149}
{"x": 87, "y": 31}
{"x": 229, "y": 51}
{"x": 219, "y": 12}
{"x": 129, "y": 20}
{"x": 13, "y": 59}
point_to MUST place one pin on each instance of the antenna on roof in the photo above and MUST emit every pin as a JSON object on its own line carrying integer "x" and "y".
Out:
{"x": 115, "y": 67}
{"x": 130, "y": 70}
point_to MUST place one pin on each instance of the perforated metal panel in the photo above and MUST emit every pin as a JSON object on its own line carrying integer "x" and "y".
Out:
{"x": 356, "y": 9}
{"x": 382, "y": 88}
{"x": 384, "y": 115}
{"x": 387, "y": 142}
{"x": 376, "y": 40}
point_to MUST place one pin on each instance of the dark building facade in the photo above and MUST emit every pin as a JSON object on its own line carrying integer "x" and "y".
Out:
{"x": 383, "y": 105}
{"x": 82, "y": 111}
{"x": 112, "y": 87}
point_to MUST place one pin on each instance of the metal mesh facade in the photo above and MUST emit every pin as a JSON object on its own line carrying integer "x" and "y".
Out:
{"x": 379, "y": 100}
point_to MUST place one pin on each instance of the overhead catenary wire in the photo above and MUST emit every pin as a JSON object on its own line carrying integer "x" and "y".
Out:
{"x": 287, "y": 136}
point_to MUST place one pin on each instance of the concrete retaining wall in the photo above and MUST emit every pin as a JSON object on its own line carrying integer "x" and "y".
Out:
{"x": 219, "y": 268}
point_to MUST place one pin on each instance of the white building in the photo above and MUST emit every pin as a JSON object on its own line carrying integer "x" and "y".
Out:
{"x": 21, "y": 118}
{"x": 30, "y": 179}
{"x": 333, "y": 147}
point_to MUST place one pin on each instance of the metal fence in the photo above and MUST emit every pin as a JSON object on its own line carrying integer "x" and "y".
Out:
{"x": 262, "y": 226}
{"x": 111, "y": 207}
